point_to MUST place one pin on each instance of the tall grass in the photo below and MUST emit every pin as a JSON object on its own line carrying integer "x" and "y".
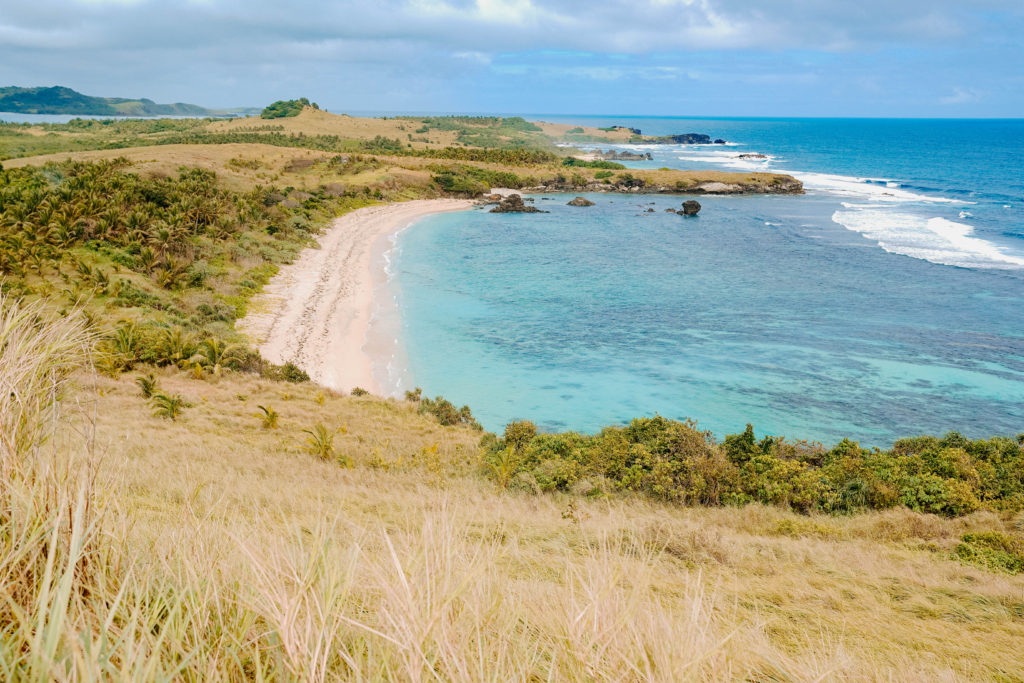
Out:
{"x": 201, "y": 551}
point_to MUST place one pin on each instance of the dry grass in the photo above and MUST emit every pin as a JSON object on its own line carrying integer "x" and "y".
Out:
{"x": 317, "y": 122}
{"x": 241, "y": 166}
{"x": 230, "y": 553}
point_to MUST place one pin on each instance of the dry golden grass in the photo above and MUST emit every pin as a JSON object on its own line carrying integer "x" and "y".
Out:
{"x": 409, "y": 565}
{"x": 259, "y": 165}
{"x": 558, "y": 130}
{"x": 316, "y": 122}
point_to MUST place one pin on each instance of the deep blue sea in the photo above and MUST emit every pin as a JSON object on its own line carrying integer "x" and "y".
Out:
{"x": 887, "y": 301}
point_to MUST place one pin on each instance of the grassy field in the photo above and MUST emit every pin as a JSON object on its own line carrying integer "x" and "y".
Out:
{"x": 214, "y": 547}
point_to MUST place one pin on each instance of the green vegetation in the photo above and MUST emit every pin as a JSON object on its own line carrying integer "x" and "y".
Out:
{"x": 992, "y": 550}
{"x": 169, "y": 406}
{"x": 596, "y": 163}
{"x": 61, "y": 100}
{"x": 320, "y": 442}
{"x": 285, "y": 108}
{"x": 166, "y": 264}
{"x": 676, "y": 461}
{"x": 446, "y": 413}
{"x": 472, "y": 180}
{"x": 488, "y": 131}
{"x": 268, "y": 417}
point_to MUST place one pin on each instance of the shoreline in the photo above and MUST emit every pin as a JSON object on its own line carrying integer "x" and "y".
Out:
{"x": 316, "y": 311}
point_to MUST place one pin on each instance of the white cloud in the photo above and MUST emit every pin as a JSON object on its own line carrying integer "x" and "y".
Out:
{"x": 961, "y": 96}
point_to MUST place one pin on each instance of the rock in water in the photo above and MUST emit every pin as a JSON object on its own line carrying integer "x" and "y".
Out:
{"x": 514, "y": 204}
{"x": 581, "y": 201}
{"x": 690, "y": 207}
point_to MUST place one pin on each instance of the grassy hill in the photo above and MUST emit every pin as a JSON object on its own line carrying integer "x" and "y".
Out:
{"x": 61, "y": 100}
{"x": 174, "y": 507}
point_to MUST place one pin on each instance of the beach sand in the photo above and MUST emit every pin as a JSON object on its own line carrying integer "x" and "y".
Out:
{"x": 316, "y": 311}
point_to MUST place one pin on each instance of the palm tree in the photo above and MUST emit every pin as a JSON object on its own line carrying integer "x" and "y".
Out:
{"x": 216, "y": 355}
{"x": 147, "y": 385}
{"x": 123, "y": 347}
{"x": 320, "y": 441}
{"x": 268, "y": 417}
{"x": 175, "y": 346}
{"x": 168, "y": 406}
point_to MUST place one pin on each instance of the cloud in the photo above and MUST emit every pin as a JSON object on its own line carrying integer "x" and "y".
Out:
{"x": 241, "y": 51}
{"x": 961, "y": 96}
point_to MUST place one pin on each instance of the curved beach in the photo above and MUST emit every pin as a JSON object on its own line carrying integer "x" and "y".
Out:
{"x": 316, "y": 311}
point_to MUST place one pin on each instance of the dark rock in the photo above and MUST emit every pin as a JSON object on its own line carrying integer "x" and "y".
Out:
{"x": 618, "y": 155}
{"x": 581, "y": 201}
{"x": 719, "y": 141}
{"x": 682, "y": 139}
{"x": 752, "y": 156}
{"x": 650, "y": 210}
{"x": 514, "y": 204}
{"x": 690, "y": 207}
{"x": 670, "y": 210}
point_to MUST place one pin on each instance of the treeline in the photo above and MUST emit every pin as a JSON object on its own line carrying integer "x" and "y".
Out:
{"x": 133, "y": 245}
{"x": 473, "y": 180}
{"x": 596, "y": 163}
{"x": 286, "y": 108}
{"x": 676, "y": 461}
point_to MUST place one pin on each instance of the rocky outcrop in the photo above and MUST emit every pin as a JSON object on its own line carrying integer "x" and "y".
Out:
{"x": 761, "y": 183}
{"x": 618, "y": 155}
{"x": 691, "y": 207}
{"x": 581, "y": 201}
{"x": 682, "y": 139}
{"x": 513, "y": 203}
{"x": 719, "y": 141}
{"x": 752, "y": 156}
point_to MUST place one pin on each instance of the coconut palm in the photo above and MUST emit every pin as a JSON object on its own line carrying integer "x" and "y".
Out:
{"x": 168, "y": 406}
{"x": 215, "y": 354}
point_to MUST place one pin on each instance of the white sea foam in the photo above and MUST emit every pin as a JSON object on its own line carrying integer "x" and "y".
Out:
{"x": 933, "y": 239}
{"x": 864, "y": 188}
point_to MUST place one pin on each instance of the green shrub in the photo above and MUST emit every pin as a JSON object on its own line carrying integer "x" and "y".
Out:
{"x": 446, "y": 412}
{"x": 991, "y": 550}
{"x": 596, "y": 163}
{"x": 286, "y": 108}
{"x": 677, "y": 461}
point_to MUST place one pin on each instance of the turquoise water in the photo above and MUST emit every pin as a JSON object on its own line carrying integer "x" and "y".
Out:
{"x": 885, "y": 302}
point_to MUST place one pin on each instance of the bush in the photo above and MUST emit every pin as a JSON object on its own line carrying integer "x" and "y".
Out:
{"x": 596, "y": 163}
{"x": 991, "y": 550}
{"x": 286, "y": 108}
{"x": 677, "y": 461}
{"x": 447, "y": 414}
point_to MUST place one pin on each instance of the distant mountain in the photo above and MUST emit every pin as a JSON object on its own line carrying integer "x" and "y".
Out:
{"x": 61, "y": 100}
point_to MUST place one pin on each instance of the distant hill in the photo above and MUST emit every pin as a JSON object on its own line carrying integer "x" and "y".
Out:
{"x": 61, "y": 100}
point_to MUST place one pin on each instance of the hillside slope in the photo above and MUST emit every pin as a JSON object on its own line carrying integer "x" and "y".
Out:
{"x": 62, "y": 100}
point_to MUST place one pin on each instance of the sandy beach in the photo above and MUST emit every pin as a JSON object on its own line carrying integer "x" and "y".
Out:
{"x": 316, "y": 311}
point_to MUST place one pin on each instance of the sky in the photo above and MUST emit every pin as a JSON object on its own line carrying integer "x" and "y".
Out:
{"x": 879, "y": 58}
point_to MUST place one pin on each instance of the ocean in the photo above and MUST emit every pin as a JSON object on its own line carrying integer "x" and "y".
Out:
{"x": 887, "y": 301}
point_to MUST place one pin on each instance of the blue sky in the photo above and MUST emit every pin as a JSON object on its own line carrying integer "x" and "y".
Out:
{"x": 653, "y": 57}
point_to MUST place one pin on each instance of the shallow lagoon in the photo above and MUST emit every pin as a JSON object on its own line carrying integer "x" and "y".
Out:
{"x": 590, "y": 316}
{"x": 815, "y": 316}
